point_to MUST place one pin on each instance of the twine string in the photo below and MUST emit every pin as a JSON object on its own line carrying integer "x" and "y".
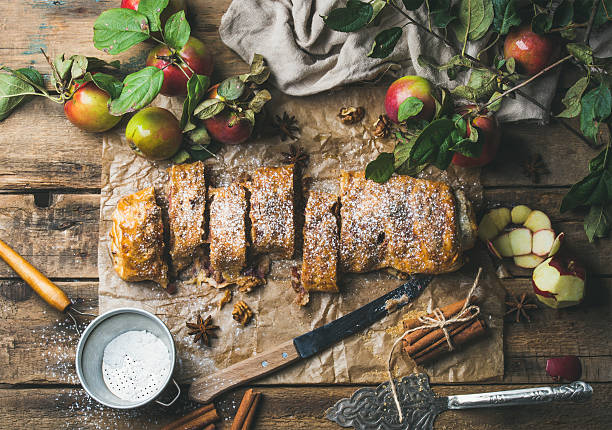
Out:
{"x": 467, "y": 313}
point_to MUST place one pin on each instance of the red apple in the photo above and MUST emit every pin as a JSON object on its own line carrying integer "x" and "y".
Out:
{"x": 227, "y": 127}
{"x": 531, "y": 51}
{"x": 173, "y": 7}
{"x": 194, "y": 54}
{"x": 489, "y": 132}
{"x": 410, "y": 86}
{"x": 559, "y": 282}
{"x": 88, "y": 109}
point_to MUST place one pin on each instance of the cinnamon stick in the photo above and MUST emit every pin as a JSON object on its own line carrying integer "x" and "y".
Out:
{"x": 432, "y": 338}
{"x": 248, "y": 422}
{"x": 201, "y": 421}
{"x": 190, "y": 416}
{"x": 243, "y": 409}
{"x": 476, "y": 329}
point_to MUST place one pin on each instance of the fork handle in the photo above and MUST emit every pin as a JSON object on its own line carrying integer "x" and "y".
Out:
{"x": 575, "y": 391}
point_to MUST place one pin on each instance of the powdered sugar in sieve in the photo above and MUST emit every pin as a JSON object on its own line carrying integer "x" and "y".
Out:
{"x": 135, "y": 365}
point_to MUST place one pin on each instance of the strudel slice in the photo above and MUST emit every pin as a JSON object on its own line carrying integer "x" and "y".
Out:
{"x": 406, "y": 223}
{"x": 186, "y": 191}
{"x": 272, "y": 211}
{"x": 137, "y": 239}
{"x": 321, "y": 241}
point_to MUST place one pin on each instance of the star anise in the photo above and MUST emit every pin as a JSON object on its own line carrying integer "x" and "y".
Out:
{"x": 382, "y": 126}
{"x": 286, "y": 126}
{"x": 202, "y": 329}
{"x": 296, "y": 155}
{"x": 534, "y": 167}
{"x": 521, "y": 306}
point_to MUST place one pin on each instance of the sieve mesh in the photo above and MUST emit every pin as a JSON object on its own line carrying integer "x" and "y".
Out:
{"x": 135, "y": 366}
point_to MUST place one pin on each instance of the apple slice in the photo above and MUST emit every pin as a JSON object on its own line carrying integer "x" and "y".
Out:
{"x": 519, "y": 214}
{"x": 542, "y": 242}
{"x": 500, "y": 217}
{"x": 559, "y": 282}
{"x": 503, "y": 246}
{"x": 487, "y": 230}
{"x": 556, "y": 244}
{"x": 537, "y": 220}
{"x": 528, "y": 261}
{"x": 520, "y": 241}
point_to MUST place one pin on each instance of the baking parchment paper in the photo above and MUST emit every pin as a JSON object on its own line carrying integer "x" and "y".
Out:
{"x": 332, "y": 146}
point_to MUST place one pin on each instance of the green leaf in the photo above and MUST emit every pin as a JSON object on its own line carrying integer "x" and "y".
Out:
{"x": 199, "y": 136}
{"x": 180, "y": 157}
{"x": 597, "y": 163}
{"x": 197, "y": 85}
{"x": 440, "y": 13}
{"x": 139, "y": 89}
{"x": 572, "y": 98}
{"x": 413, "y": 4}
{"x": 177, "y": 30}
{"x": 79, "y": 66}
{"x": 152, "y": 9}
{"x": 494, "y": 107}
{"x": 29, "y": 76}
{"x": 205, "y": 152}
{"x": 209, "y": 108}
{"x": 231, "y": 88}
{"x": 482, "y": 84}
{"x": 348, "y": 19}
{"x": 596, "y": 107}
{"x": 409, "y": 108}
{"x": 117, "y": 30}
{"x": 13, "y": 91}
{"x": 62, "y": 66}
{"x": 259, "y": 100}
{"x": 563, "y": 14}
{"x": 108, "y": 83}
{"x": 259, "y": 72}
{"x": 384, "y": 42}
{"x": 581, "y": 52}
{"x": 475, "y": 18}
{"x": 428, "y": 143}
{"x": 594, "y": 189}
{"x": 541, "y": 23}
{"x": 505, "y": 16}
{"x": 377, "y": 8}
{"x": 381, "y": 169}
{"x": 597, "y": 223}
{"x": 94, "y": 64}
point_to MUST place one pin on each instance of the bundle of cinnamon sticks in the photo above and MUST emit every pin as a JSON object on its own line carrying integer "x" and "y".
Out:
{"x": 202, "y": 418}
{"x": 246, "y": 411}
{"x": 425, "y": 344}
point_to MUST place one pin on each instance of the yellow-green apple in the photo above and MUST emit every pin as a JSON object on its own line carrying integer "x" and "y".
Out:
{"x": 154, "y": 133}
{"x": 88, "y": 109}
{"x": 559, "y": 282}
{"x": 489, "y": 132}
{"x": 410, "y": 86}
{"x": 532, "y": 52}
{"x": 194, "y": 57}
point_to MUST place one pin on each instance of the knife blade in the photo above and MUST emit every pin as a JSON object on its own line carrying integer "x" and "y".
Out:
{"x": 205, "y": 389}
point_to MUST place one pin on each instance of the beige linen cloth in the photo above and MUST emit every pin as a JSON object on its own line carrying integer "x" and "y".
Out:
{"x": 308, "y": 58}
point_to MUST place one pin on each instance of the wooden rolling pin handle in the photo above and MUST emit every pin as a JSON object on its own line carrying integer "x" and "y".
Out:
{"x": 46, "y": 289}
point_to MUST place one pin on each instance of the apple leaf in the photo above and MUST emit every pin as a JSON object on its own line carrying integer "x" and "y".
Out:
{"x": 541, "y": 23}
{"x": 596, "y": 107}
{"x": 139, "y": 89}
{"x": 594, "y": 189}
{"x": 231, "y": 88}
{"x": 381, "y": 169}
{"x": 572, "y": 98}
{"x": 197, "y": 85}
{"x": 62, "y": 66}
{"x": 440, "y": 13}
{"x": 355, "y": 16}
{"x": 563, "y": 14}
{"x": 258, "y": 101}
{"x": 152, "y": 9}
{"x": 413, "y": 4}
{"x": 581, "y": 52}
{"x": 259, "y": 72}
{"x": 29, "y": 76}
{"x": 108, "y": 83}
{"x": 475, "y": 18}
{"x": 177, "y": 30}
{"x": 13, "y": 91}
{"x": 505, "y": 16}
{"x": 409, "y": 108}
{"x": 94, "y": 64}
{"x": 209, "y": 108}
{"x": 79, "y": 66}
{"x": 384, "y": 42}
{"x": 597, "y": 223}
{"x": 428, "y": 144}
{"x": 117, "y": 30}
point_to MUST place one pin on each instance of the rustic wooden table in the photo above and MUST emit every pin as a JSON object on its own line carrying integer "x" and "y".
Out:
{"x": 49, "y": 208}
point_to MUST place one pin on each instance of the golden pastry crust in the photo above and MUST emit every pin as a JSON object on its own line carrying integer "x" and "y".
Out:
{"x": 187, "y": 194}
{"x": 137, "y": 239}
{"x": 272, "y": 210}
{"x": 321, "y": 241}
{"x": 407, "y": 224}
{"x": 228, "y": 242}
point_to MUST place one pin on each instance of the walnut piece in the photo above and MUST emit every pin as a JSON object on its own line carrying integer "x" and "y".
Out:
{"x": 351, "y": 114}
{"x": 242, "y": 313}
{"x": 382, "y": 126}
{"x": 227, "y": 297}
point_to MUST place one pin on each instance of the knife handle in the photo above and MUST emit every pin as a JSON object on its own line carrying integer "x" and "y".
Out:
{"x": 205, "y": 389}
{"x": 576, "y": 391}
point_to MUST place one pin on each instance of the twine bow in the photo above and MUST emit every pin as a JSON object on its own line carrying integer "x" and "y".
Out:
{"x": 467, "y": 313}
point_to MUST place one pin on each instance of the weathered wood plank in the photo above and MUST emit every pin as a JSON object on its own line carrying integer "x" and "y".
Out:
{"x": 61, "y": 240}
{"x": 290, "y": 408}
{"x": 43, "y": 342}
{"x": 544, "y": 199}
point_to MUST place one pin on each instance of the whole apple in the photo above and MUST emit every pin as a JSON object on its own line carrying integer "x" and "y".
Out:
{"x": 228, "y": 128}
{"x": 559, "y": 282}
{"x": 410, "y": 86}
{"x": 197, "y": 57}
{"x": 532, "y": 52}
{"x": 173, "y": 7}
{"x": 154, "y": 133}
{"x": 88, "y": 109}
{"x": 488, "y": 130}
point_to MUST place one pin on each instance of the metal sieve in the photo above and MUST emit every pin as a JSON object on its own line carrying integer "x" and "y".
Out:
{"x": 129, "y": 385}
